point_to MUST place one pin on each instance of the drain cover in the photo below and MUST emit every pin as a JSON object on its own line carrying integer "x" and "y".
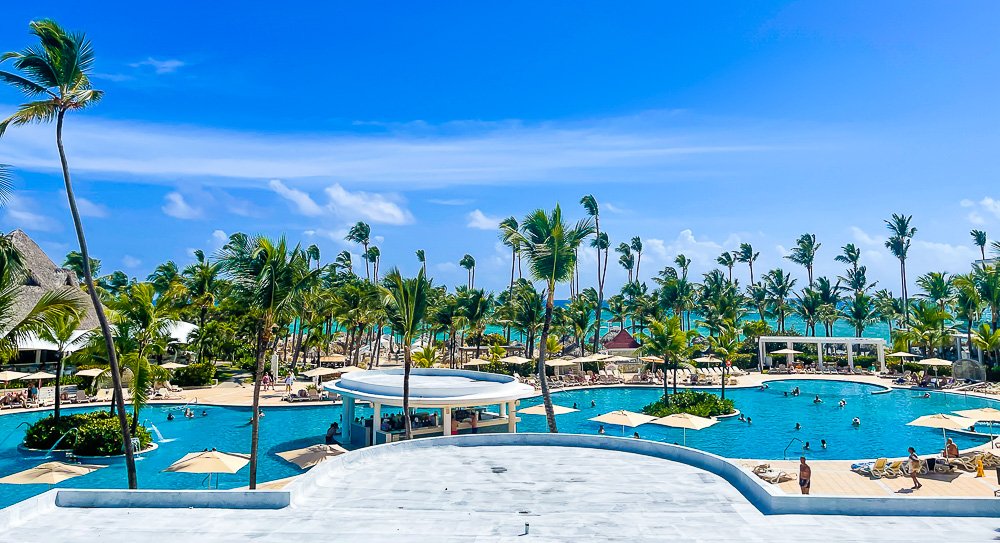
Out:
{"x": 498, "y": 469}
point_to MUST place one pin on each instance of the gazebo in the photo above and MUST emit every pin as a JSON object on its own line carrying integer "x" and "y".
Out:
{"x": 820, "y": 342}
{"x": 621, "y": 344}
{"x": 469, "y": 396}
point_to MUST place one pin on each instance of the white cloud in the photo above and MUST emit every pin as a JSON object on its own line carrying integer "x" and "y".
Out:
{"x": 991, "y": 205}
{"x": 176, "y": 206}
{"x": 481, "y": 221}
{"x": 21, "y": 212}
{"x": 371, "y": 206}
{"x": 701, "y": 252}
{"x": 864, "y": 238}
{"x": 608, "y": 206}
{"x": 450, "y": 201}
{"x": 89, "y": 208}
{"x": 967, "y": 203}
{"x": 302, "y": 201}
{"x": 130, "y": 261}
{"x": 975, "y": 218}
{"x": 167, "y": 66}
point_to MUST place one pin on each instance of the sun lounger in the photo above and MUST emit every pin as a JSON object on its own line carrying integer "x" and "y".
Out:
{"x": 876, "y": 469}
{"x": 968, "y": 463}
{"x": 104, "y": 395}
{"x": 774, "y": 476}
{"x": 894, "y": 469}
{"x": 82, "y": 397}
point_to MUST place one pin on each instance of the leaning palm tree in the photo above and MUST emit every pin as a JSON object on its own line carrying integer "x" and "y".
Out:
{"x": 979, "y": 238}
{"x": 550, "y": 245}
{"x": 804, "y": 253}
{"x": 747, "y": 256}
{"x": 61, "y": 331}
{"x": 406, "y": 304}
{"x": 636, "y": 245}
{"x": 899, "y": 245}
{"x": 422, "y": 259}
{"x": 269, "y": 278}
{"x": 55, "y": 80}
{"x": 600, "y": 243}
{"x": 360, "y": 233}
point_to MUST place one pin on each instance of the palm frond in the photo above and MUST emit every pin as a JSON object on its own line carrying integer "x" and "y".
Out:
{"x": 41, "y": 111}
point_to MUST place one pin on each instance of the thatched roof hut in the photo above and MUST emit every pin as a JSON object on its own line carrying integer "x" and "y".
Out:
{"x": 43, "y": 275}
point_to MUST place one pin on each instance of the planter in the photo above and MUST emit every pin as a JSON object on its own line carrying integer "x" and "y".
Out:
{"x": 115, "y": 458}
{"x": 28, "y": 451}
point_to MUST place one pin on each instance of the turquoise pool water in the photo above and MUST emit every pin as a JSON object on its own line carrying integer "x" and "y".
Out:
{"x": 882, "y": 433}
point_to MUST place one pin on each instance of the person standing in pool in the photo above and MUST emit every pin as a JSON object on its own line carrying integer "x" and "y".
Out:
{"x": 600, "y": 431}
{"x": 805, "y": 475}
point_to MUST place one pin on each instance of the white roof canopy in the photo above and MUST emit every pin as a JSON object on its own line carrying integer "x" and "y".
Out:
{"x": 431, "y": 387}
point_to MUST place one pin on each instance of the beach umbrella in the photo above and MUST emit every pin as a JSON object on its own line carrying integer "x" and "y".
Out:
{"x": 582, "y": 359}
{"x": 935, "y": 363}
{"x": 686, "y": 421}
{"x": 557, "y": 363}
{"x": 92, "y": 372}
{"x": 173, "y": 366}
{"x": 475, "y": 362}
{"x": 623, "y": 418}
{"x": 599, "y": 356}
{"x": 986, "y": 414}
{"x": 319, "y": 372}
{"x": 618, "y": 359}
{"x": 333, "y": 358}
{"x": 710, "y": 359}
{"x": 49, "y": 473}
{"x": 9, "y": 375}
{"x": 785, "y": 351}
{"x": 540, "y": 410}
{"x": 210, "y": 462}
{"x": 348, "y": 369}
{"x": 515, "y": 360}
{"x": 651, "y": 359}
{"x": 39, "y": 375}
{"x": 312, "y": 455}
{"x": 901, "y": 354}
{"x": 943, "y": 421}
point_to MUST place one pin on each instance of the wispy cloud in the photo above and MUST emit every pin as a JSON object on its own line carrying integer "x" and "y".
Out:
{"x": 91, "y": 209}
{"x": 372, "y": 206}
{"x": 303, "y": 203}
{"x": 481, "y": 221}
{"x": 450, "y": 201}
{"x": 22, "y": 212}
{"x": 176, "y": 206}
{"x": 166, "y": 66}
{"x": 130, "y": 261}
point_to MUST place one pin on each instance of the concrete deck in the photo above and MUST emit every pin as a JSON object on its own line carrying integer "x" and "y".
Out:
{"x": 445, "y": 493}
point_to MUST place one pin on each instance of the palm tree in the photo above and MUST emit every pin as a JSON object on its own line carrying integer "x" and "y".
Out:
{"x": 406, "y": 304}
{"x": 899, "y": 245}
{"x": 550, "y": 245}
{"x": 979, "y": 238}
{"x": 469, "y": 263}
{"x": 201, "y": 281}
{"x": 627, "y": 259}
{"x": 268, "y": 277}
{"x": 968, "y": 303}
{"x": 361, "y": 233}
{"x": 851, "y": 255}
{"x": 747, "y": 256}
{"x": 986, "y": 340}
{"x": 728, "y": 260}
{"x": 987, "y": 279}
{"x": 422, "y": 259}
{"x": 56, "y": 81}
{"x": 779, "y": 285}
{"x": 60, "y": 330}
{"x": 804, "y": 253}
{"x": 668, "y": 339}
{"x": 600, "y": 243}
{"x": 938, "y": 287}
{"x": 373, "y": 255}
{"x": 165, "y": 278}
{"x": 637, "y": 247}
{"x": 726, "y": 345}
{"x": 343, "y": 262}
{"x": 808, "y": 307}
{"x": 860, "y": 312}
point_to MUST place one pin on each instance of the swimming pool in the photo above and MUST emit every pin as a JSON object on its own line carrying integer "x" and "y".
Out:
{"x": 882, "y": 433}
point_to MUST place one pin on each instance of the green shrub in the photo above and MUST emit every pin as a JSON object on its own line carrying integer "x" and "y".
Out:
{"x": 195, "y": 375}
{"x": 693, "y": 402}
{"x": 98, "y": 434}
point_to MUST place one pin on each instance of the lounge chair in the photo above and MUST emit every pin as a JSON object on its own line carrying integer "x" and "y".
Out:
{"x": 876, "y": 470}
{"x": 774, "y": 476}
{"x": 82, "y": 397}
{"x": 104, "y": 395}
{"x": 968, "y": 463}
{"x": 891, "y": 471}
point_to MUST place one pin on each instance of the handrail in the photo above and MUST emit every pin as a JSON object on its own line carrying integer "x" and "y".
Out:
{"x": 784, "y": 454}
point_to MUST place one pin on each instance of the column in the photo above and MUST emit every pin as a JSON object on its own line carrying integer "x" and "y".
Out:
{"x": 503, "y": 409}
{"x": 819, "y": 355}
{"x": 850, "y": 355}
{"x": 790, "y": 358}
{"x": 446, "y": 420}
{"x": 881, "y": 356}
{"x": 38, "y": 357}
{"x": 512, "y": 418}
{"x": 760, "y": 354}
{"x": 348, "y": 417}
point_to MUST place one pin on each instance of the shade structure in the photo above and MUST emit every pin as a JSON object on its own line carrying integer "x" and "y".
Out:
{"x": 943, "y": 421}
{"x": 348, "y": 369}
{"x": 934, "y": 362}
{"x": 477, "y": 362}
{"x": 210, "y": 462}
{"x": 618, "y": 359}
{"x": 785, "y": 351}
{"x": 653, "y": 359}
{"x": 686, "y": 421}
{"x": 581, "y": 360}
{"x": 39, "y": 375}
{"x": 515, "y": 360}
{"x": 319, "y": 372}
{"x": 173, "y": 366}
{"x": 49, "y": 473}
{"x": 312, "y": 455}
{"x": 540, "y": 410}
{"x": 559, "y": 363}
{"x": 708, "y": 360}
{"x": 333, "y": 358}
{"x": 623, "y": 418}
{"x": 987, "y": 414}
{"x": 901, "y": 354}
{"x": 92, "y": 372}
{"x": 599, "y": 356}
{"x": 9, "y": 375}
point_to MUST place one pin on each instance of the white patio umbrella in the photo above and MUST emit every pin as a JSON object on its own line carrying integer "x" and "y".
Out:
{"x": 935, "y": 363}
{"x": 515, "y": 360}
{"x": 984, "y": 414}
{"x": 173, "y": 366}
{"x": 623, "y": 418}
{"x": 319, "y": 372}
{"x": 92, "y": 372}
{"x": 312, "y": 455}
{"x": 475, "y": 362}
{"x": 39, "y": 375}
{"x": 540, "y": 410}
{"x": 49, "y": 473}
{"x": 9, "y": 375}
{"x": 686, "y": 421}
{"x": 210, "y": 462}
{"x": 943, "y": 421}
{"x": 901, "y": 354}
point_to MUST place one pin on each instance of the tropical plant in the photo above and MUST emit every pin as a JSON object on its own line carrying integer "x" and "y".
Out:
{"x": 469, "y": 263}
{"x": 601, "y": 244}
{"x": 406, "y": 304}
{"x": 726, "y": 345}
{"x": 668, "y": 340}
{"x": 804, "y": 253}
{"x": 979, "y": 239}
{"x": 747, "y": 255}
{"x": 901, "y": 235}
{"x": 728, "y": 260}
{"x": 56, "y": 80}
{"x": 360, "y": 233}
{"x": 60, "y": 329}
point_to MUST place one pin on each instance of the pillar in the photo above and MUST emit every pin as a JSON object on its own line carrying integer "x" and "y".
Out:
{"x": 819, "y": 355}
{"x": 503, "y": 409}
{"x": 760, "y": 354}
{"x": 512, "y": 418}
{"x": 38, "y": 357}
{"x": 850, "y": 355}
{"x": 348, "y": 417}
{"x": 881, "y": 356}
{"x": 790, "y": 358}
{"x": 446, "y": 421}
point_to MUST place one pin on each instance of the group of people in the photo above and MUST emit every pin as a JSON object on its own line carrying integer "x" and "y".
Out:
{"x": 18, "y": 398}
{"x": 188, "y": 413}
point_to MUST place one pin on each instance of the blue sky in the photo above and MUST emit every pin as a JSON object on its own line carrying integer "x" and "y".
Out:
{"x": 697, "y": 127}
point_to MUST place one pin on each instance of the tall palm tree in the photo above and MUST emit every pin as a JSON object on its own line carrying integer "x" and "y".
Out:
{"x": 728, "y": 260}
{"x": 899, "y": 245}
{"x": 406, "y": 304}
{"x": 55, "y": 78}
{"x": 373, "y": 255}
{"x": 979, "y": 239}
{"x": 422, "y": 259}
{"x": 593, "y": 210}
{"x": 550, "y": 245}
{"x": 938, "y": 287}
{"x": 804, "y": 253}
{"x": 361, "y": 233}
{"x": 627, "y": 259}
{"x": 343, "y": 262}
{"x": 60, "y": 330}
{"x": 779, "y": 285}
{"x": 747, "y": 255}
{"x": 469, "y": 263}
{"x": 860, "y": 312}
{"x": 726, "y": 345}
{"x": 850, "y": 255}
{"x": 968, "y": 303}
{"x": 636, "y": 245}
{"x": 268, "y": 277}
{"x": 201, "y": 281}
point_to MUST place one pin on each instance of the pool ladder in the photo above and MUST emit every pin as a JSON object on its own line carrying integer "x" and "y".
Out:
{"x": 784, "y": 454}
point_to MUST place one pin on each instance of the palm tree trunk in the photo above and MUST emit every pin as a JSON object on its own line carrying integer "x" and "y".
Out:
{"x": 255, "y": 417}
{"x": 406, "y": 393}
{"x": 723, "y": 380}
{"x": 675, "y": 376}
{"x": 88, "y": 277}
{"x": 59, "y": 371}
{"x": 665, "y": 389}
{"x": 550, "y": 415}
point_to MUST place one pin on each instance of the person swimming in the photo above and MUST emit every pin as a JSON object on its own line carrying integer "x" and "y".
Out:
{"x": 593, "y": 403}
{"x": 170, "y": 416}
{"x": 806, "y": 446}
{"x": 822, "y": 443}
{"x": 742, "y": 418}
{"x": 856, "y": 422}
{"x": 749, "y": 420}
{"x": 817, "y": 400}
{"x": 843, "y": 403}
{"x": 926, "y": 395}
{"x": 786, "y": 393}
{"x": 798, "y": 426}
